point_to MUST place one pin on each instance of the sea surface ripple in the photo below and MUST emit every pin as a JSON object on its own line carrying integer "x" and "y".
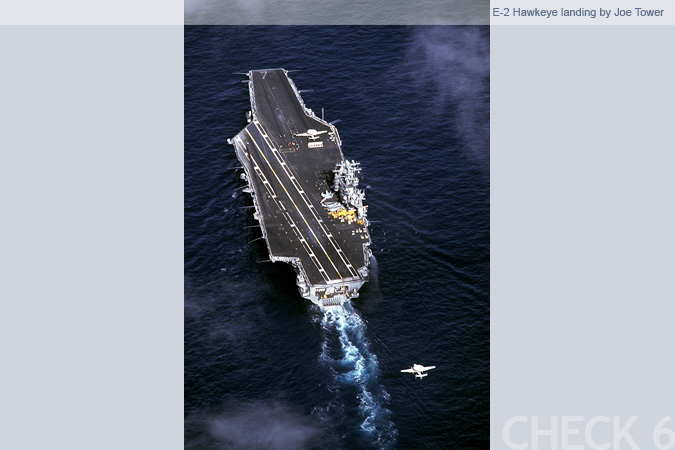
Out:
{"x": 266, "y": 369}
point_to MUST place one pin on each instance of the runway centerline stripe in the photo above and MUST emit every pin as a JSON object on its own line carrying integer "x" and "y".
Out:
{"x": 294, "y": 204}
{"x": 301, "y": 238}
{"x": 311, "y": 207}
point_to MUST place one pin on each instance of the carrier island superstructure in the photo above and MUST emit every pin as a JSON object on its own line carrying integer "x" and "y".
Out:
{"x": 305, "y": 193}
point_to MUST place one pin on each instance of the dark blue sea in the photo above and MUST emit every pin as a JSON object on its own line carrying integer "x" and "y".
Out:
{"x": 266, "y": 369}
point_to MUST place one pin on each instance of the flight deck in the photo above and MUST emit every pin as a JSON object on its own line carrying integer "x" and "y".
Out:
{"x": 305, "y": 193}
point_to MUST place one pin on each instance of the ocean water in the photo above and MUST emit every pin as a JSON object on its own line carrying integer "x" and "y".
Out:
{"x": 337, "y": 12}
{"x": 266, "y": 369}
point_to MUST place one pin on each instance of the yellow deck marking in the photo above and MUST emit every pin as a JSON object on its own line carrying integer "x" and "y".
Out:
{"x": 296, "y": 206}
{"x": 268, "y": 185}
{"x": 298, "y": 188}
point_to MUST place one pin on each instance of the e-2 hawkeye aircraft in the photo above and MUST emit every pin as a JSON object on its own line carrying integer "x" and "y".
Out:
{"x": 311, "y": 133}
{"x": 418, "y": 370}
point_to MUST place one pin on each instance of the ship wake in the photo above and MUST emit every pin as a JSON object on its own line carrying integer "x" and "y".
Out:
{"x": 354, "y": 380}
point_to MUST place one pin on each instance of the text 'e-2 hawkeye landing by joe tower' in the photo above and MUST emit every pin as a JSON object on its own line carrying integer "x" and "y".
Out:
{"x": 305, "y": 193}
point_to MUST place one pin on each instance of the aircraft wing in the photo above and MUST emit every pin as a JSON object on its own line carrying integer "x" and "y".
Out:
{"x": 408, "y": 371}
{"x": 302, "y": 134}
{"x": 427, "y": 368}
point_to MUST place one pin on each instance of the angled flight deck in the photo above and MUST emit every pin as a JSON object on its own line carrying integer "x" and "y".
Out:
{"x": 304, "y": 192}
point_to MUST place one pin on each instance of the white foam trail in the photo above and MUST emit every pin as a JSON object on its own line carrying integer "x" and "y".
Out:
{"x": 345, "y": 350}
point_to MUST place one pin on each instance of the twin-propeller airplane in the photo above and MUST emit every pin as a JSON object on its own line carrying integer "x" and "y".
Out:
{"x": 418, "y": 370}
{"x": 311, "y": 133}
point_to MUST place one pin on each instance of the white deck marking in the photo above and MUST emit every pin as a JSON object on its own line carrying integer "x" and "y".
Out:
{"x": 287, "y": 216}
{"x": 294, "y": 204}
{"x": 305, "y": 198}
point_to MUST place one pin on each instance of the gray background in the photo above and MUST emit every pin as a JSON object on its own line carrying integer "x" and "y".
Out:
{"x": 582, "y": 222}
{"x": 91, "y": 245}
{"x": 91, "y": 184}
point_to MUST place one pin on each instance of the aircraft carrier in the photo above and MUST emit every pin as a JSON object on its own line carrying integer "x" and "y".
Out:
{"x": 305, "y": 193}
